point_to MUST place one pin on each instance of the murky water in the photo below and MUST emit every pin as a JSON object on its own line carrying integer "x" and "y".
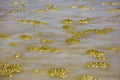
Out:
{"x": 72, "y": 57}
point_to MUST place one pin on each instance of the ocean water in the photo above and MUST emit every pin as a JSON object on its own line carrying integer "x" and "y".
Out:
{"x": 72, "y": 57}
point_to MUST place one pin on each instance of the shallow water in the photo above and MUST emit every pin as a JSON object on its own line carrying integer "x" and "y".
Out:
{"x": 72, "y": 57}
